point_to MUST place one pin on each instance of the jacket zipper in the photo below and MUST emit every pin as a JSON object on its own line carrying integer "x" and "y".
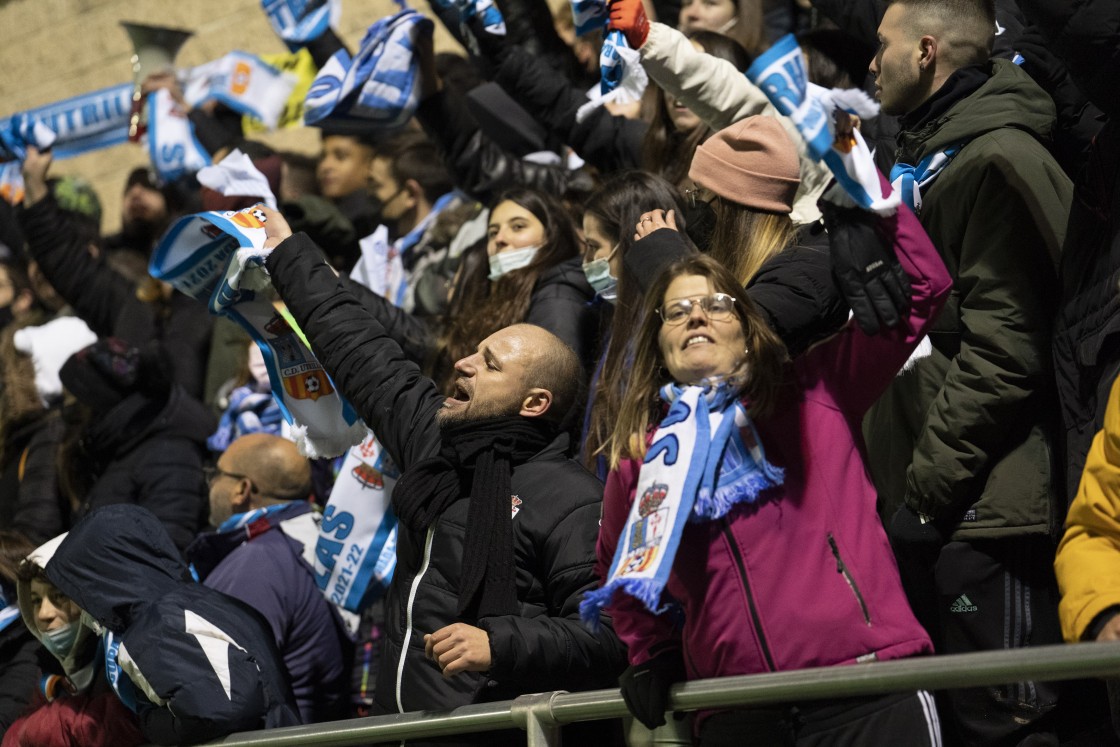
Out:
{"x": 755, "y": 619}
{"x": 843, "y": 571}
{"x": 408, "y": 611}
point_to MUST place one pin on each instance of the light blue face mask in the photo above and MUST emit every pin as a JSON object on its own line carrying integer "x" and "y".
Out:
{"x": 598, "y": 272}
{"x": 515, "y": 259}
{"x": 60, "y": 641}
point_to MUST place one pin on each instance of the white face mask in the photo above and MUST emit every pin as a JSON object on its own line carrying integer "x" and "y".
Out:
{"x": 61, "y": 640}
{"x": 728, "y": 26}
{"x": 514, "y": 259}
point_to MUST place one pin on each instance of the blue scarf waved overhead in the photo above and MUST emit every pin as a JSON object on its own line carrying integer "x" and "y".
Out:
{"x": 622, "y": 79}
{"x": 378, "y": 87}
{"x": 298, "y": 22}
{"x": 218, "y": 258}
{"x": 705, "y": 459}
{"x": 781, "y": 74}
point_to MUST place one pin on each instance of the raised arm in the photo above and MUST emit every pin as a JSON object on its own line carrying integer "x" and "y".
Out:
{"x": 369, "y": 368}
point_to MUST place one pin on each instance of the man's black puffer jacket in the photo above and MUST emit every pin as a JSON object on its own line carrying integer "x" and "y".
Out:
{"x": 545, "y": 647}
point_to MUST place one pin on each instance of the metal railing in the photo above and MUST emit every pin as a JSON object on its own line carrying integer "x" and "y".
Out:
{"x": 541, "y": 715}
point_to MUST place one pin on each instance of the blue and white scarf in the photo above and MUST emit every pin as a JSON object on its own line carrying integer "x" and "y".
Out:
{"x": 705, "y": 459}
{"x": 83, "y": 123}
{"x": 298, "y": 22}
{"x": 780, "y": 73}
{"x": 910, "y": 181}
{"x": 622, "y": 79}
{"x": 378, "y": 87}
{"x": 217, "y": 258}
{"x": 172, "y": 145}
{"x": 118, "y": 680}
{"x": 19, "y": 131}
{"x": 243, "y": 82}
{"x": 8, "y": 612}
{"x": 357, "y": 549}
{"x": 249, "y": 411}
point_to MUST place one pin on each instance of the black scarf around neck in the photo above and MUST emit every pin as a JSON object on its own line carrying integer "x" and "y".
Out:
{"x": 485, "y": 453}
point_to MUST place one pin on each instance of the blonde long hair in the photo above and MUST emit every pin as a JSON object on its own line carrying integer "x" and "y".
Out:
{"x": 744, "y": 238}
{"x": 641, "y": 406}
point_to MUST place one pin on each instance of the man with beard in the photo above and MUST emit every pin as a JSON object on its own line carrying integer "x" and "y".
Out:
{"x": 144, "y": 217}
{"x": 497, "y": 523}
{"x": 960, "y": 446}
{"x": 112, "y": 302}
{"x": 426, "y": 225}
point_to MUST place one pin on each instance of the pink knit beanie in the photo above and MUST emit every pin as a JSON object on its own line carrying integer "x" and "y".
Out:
{"x": 753, "y": 162}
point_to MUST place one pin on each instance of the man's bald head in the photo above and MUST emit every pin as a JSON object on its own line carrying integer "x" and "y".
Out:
{"x": 553, "y": 366}
{"x": 278, "y": 471}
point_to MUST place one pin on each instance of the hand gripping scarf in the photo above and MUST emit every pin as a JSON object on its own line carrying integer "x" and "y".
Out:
{"x": 378, "y": 87}
{"x": 623, "y": 80}
{"x": 705, "y": 459}
{"x": 216, "y": 258}
{"x": 780, "y": 73}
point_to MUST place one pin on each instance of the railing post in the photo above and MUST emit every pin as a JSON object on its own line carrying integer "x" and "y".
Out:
{"x": 533, "y": 713}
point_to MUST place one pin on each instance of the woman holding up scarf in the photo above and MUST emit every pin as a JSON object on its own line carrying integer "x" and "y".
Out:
{"x": 738, "y": 496}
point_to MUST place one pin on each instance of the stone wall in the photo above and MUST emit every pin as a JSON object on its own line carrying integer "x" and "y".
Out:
{"x": 54, "y": 49}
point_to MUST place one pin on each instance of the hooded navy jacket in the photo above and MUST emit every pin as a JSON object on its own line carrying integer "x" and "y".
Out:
{"x": 206, "y": 662}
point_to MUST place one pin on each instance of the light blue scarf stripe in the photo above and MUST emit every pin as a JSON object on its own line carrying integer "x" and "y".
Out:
{"x": 722, "y": 472}
{"x": 911, "y": 181}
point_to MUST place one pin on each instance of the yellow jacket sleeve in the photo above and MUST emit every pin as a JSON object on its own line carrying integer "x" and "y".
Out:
{"x": 1088, "y": 560}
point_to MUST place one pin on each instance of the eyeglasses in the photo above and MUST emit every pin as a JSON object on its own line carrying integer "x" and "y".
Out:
{"x": 719, "y": 307}
{"x": 699, "y": 194}
{"x": 212, "y": 473}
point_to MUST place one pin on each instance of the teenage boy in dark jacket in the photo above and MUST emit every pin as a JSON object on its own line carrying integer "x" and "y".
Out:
{"x": 497, "y": 524}
{"x": 198, "y": 664}
{"x": 960, "y": 445}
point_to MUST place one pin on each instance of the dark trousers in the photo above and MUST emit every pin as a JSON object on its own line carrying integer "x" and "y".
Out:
{"x": 989, "y": 595}
{"x": 899, "y": 718}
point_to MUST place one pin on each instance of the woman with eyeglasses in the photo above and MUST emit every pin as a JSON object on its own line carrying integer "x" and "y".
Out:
{"x": 739, "y": 532}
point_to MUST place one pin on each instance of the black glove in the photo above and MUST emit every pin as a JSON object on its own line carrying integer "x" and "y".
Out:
{"x": 1038, "y": 61}
{"x": 910, "y": 535}
{"x": 866, "y": 270}
{"x": 645, "y": 687}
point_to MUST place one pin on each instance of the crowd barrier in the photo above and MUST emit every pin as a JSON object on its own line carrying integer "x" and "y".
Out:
{"x": 541, "y": 715}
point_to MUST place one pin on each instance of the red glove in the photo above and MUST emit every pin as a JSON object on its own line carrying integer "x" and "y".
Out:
{"x": 629, "y": 17}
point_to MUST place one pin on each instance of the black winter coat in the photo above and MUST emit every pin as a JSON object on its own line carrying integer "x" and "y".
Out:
{"x": 107, "y": 302}
{"x": 1086, "y": 36}
{"x": 545, "y": 647}
{"x": 19, "y": 672}
{"x": 30, "y": 500}
{"x": 608, "y": 142}
{"x": 203, "y": 664}
{"x": 479, "y": 166}
{"x": 150, "y": 453}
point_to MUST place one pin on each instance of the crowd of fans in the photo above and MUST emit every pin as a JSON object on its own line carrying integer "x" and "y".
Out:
{"x": 664, "y": 403}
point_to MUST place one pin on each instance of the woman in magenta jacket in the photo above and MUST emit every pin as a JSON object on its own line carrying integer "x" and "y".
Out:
{"x": 755, "y": 515}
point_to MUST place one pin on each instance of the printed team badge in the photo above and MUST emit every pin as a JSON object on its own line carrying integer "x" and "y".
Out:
{"x": 254, "y": 218}
{"x": 368, "y": 476}
{"x": 302, "y": 377}
{"x": 374, "y": 465}
{"x": 516, "y": 505}
{"x": 641, "y": 545}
